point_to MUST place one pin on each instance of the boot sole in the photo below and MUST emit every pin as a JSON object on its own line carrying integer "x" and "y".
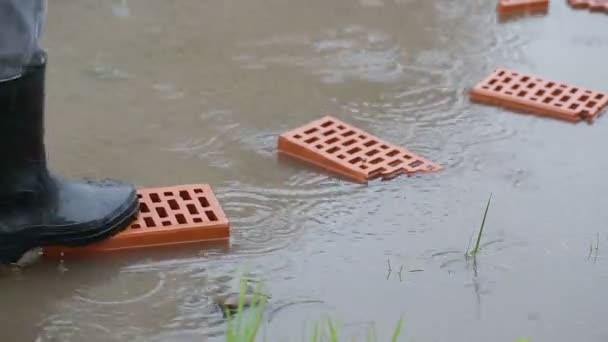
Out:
{"x": 11, "y": 253}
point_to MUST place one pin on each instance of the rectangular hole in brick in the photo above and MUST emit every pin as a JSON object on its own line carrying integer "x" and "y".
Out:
{"x": 330, "y": 132}
{"x": 515, "y": 86}
{"x": 136, "y": 226}
{"x": 492, "y": 81}
{"x": 173, "y": 204}
{"x": 355, "y": 160}
{"x": 192, "y": 209}
{"x": 166, "y": 223}
{"x": 501, "y": 73}
{"x": 557, "y": 92}
{"x": 573, "y": 90}
{"x": 162, "y": 212}
{"x": 181, "y": 219}
{"x": 484, "y": 87}
{"x": 140, "y": 196}
{"x": 533, "y": 98}
{"x": 203, "y": 201}
{"x": 197, "y": 220}
{"x": 393, "y": 153}
{"x": 198, "y": 191}
{"x": 333, "y": 149}
{"x": 507, "y": 80}
{"x": 310, "y": 131}
{"x": 540, "y": 93}
{"x": 327, "y": 124}
{"x": 395, "y": 162}
{"x": 509, "y": 93}
{"x": 531, "y": 85}
{"x": 415, "y": 163}
{"x": 370, "y": 143}
{"x": 522, "y": 93}
{"x": 565, "y": 98}
{"x": 348, "y": 134}
{"x": 574, "y": 106}
{"x": 185, "y": 195}
{"x": 362, "y": 137}
{"x": 143, "y": 207}
{"x": 372, "y": 152}
{"x": 548, "y": 99}
{"x": 590, "y": 104}
{"x": 384, "y": 147}
{"x": 558, "y": 104}
{"x": 168, "y": 193}
{"x": 525, "y": 79}
{"x": 149, "y": 222}
{"x": 319, "y": 146}
{"x": 349, "y": 142}
{"x": 376, "y": 161}
{"x": 155, "y": 198}
{"x": 341, "y": 127}
{"x": 353, "y": 151}
{"x": 297, "y": 136}
{"x": 583, "y": 98}
{"x": 311, "y": 140}
{"x": 599, "y": 96}
{"x": 211, "y": 215}
{"x": 587, "y": 91}
{"x": 549, "y": 85}
{"x": 363, "y": 166}
{"x": 407, "y": 156}
{"x": 332, "y": 140}
{"x": 341, "y": 156}
{"x": 563, "y": 86}
{"x": 498, "y": 88}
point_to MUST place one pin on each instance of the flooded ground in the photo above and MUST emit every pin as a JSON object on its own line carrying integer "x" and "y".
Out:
{"x": 167, "y": 92}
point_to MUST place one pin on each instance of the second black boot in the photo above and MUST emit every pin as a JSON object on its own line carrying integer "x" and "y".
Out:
{"x": 38, "y": 208}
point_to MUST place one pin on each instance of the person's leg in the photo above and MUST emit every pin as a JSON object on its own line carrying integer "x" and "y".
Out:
{"x": 38, "y": 208}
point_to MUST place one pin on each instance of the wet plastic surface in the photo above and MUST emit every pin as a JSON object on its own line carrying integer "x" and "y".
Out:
{"x": 168, "y": 216}
{"x": 539, "y": 96}
{"x": 349, "y": 151}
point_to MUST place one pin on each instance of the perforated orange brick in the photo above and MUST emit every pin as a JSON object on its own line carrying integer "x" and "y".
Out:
{"x": 535, "y": 95}
{"x": 507, "y": 8}
{"x": 339, "y": 147}
{"x": 167, "y": 216}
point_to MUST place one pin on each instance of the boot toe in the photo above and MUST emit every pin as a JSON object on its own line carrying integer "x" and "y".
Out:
{"x": 87, "y": 211}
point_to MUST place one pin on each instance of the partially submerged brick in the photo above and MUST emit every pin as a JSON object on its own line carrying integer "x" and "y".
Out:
{"x": 346, "y": 150}
{"x": 539, "y": 96}
{"x": 508, "y": 8}
{"x": 168, "y": 216}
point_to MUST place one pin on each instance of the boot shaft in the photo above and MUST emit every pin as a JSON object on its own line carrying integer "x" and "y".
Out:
{"x": 22, "y": 152}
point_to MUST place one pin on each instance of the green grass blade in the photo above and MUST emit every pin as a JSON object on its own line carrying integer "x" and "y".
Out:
{"x": 483, "y": 223}
{"x": 333, "y": 332}
{"x": 315, "y": 334}
{"x": 397, "y": 330}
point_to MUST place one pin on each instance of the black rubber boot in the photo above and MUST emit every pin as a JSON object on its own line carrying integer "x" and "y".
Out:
{"x": 40, "y": 209}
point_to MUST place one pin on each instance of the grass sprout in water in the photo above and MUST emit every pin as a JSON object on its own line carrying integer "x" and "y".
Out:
{"x": 483, "y": 223}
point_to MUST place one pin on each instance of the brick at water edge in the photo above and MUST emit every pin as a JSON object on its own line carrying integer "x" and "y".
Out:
{"x": 513, "y": 7}
{"x": 539, "y": 96}
{"x": 168, "y": 216}
{"x": 346, "y": 150}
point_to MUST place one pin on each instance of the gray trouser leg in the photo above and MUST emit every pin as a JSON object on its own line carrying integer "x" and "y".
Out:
{"x": 21, "y": 26}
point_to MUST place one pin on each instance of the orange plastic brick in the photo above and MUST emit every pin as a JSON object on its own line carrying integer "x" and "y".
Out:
{"x": 515, "y": 7}
{"x": 349, "y": 151}
{"x": 534, "y": 95}
{"x": 593, "y": 5}
{"x": 167, "y": 216}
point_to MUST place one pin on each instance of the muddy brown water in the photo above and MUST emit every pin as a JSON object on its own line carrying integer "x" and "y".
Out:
{"x": 167, "y": 92}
